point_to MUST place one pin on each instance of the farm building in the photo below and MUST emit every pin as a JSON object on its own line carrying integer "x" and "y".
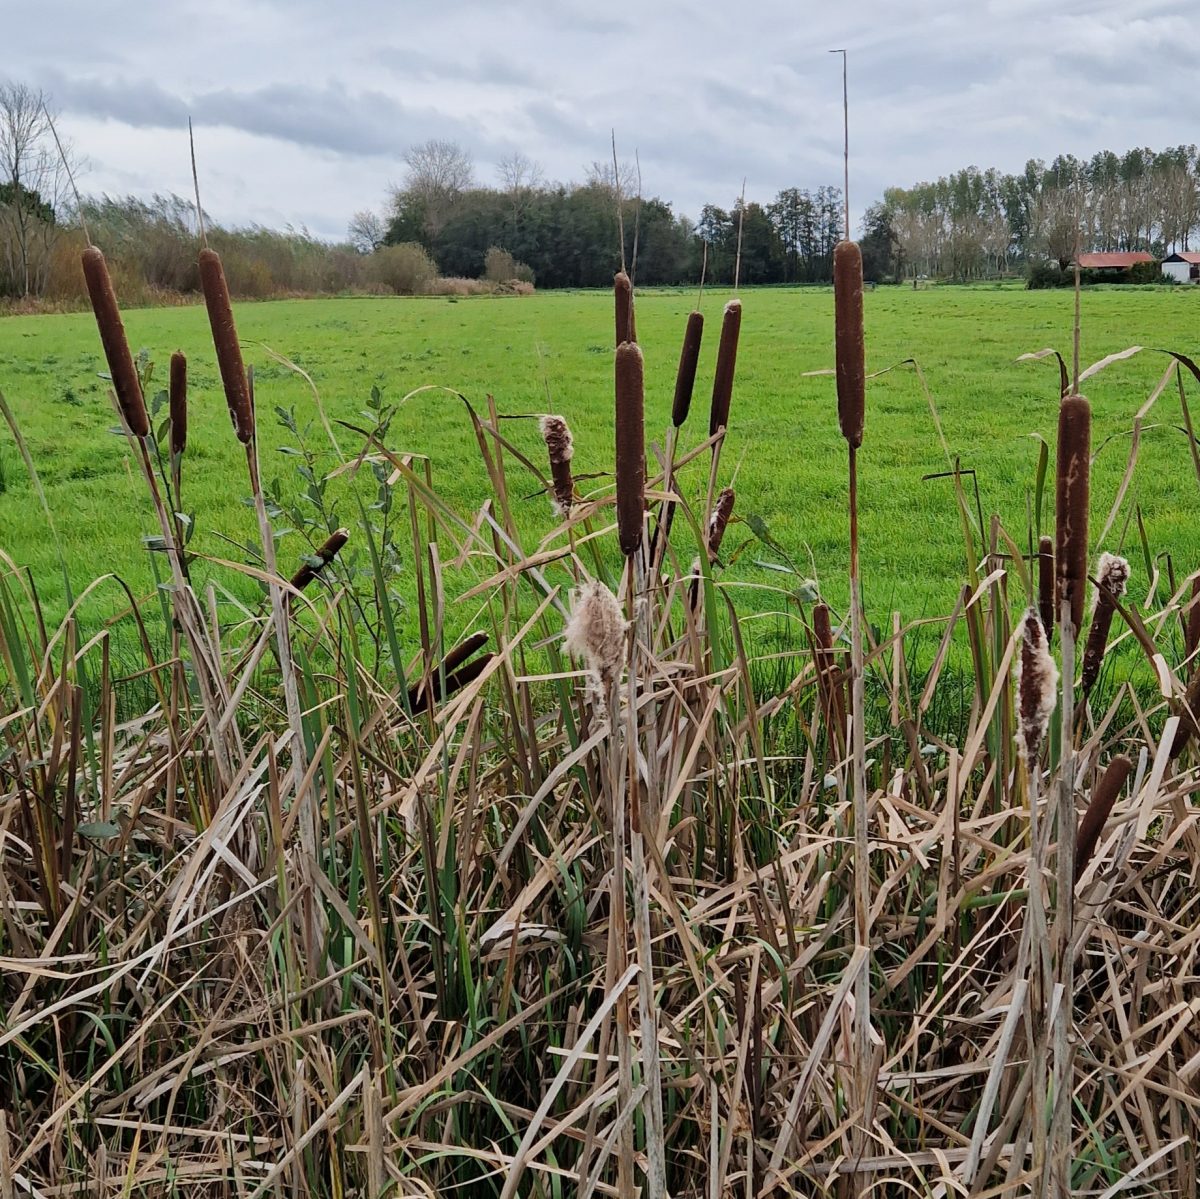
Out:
{"x": 1183, "y": 267}
{"x": 1115, "y": 263}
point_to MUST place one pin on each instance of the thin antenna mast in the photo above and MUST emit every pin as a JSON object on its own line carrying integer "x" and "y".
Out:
{"x": 196, "y": 185}
{"x": 845, "y": 137}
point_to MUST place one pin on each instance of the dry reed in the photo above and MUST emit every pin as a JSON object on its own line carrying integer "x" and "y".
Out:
{"x": 685, "y": 378}
{"x": 630, "y": 447}
{"x": 560, "y": 447}
{"x": 225, "y": 340}
{"x": 126, "y": 385}
{"x": 727, "y": 348}
{"x": 178, "y": 402}
{"x": 1112, "y": 575}
{"x": 849, "y": 352}
{"x": 1071, "y": 506}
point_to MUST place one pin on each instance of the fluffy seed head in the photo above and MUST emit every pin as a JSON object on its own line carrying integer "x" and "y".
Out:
{"x": 631, "y": 447}
{"x": 178, "y": 405}
{"x": 124, "y": 374}
{"x": 722, "y": 393}
{"x": 1046, "y": 583}
{"x": 722, "y": 511}
{"x": 1112, "y": 573}
{"x": 1103, "y": 797}
{"x": 1071, "y": 504}
{"x": 849, "y": 352}
{"x": 1037, "y": 681}
{"x": 560, "y": 447}
{"x": 596, "y": 633}
{"x": 225, "y": 339}
{"x": 685, "y": 378}
{"x": 623, "y": 297}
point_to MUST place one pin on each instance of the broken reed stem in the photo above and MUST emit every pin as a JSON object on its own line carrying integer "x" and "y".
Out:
{"x": 126, "y": 385}
{"x": 560, "y": 449}
{"x": 1046, "y": 584}
{"x": 1112, "y": 574}
{"x": 630, "y": 447}
{"x": 225, "y": 341}
{"x": 623, "y": 306}
{"x": 1104, "y": 796}
{"x": 722, "y": 393}
{"x": 1071, "y": 508}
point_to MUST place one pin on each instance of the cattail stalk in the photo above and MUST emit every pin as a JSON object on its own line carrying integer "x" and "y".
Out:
{"x": 1071, "y": 506}
{"x": 178, "y": 403}
{"x": 623, "y": 297}
{"x": 1112, "y": 574}
{"x": 225, "y": 339}
{"x": 1046, "y": 583}
{"x": 126, "y": 385}
{"x": 685, "y": 377}
{"x": 630, "y": 447}
{"x": 1104, "y": 796}
{"x": 560, "y": 448}
{"x": 328, "y": 551}
{"x": 722, "y": 392}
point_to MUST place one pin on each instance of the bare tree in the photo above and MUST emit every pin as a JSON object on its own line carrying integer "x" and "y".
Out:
{"x": 366, "y": 231}
{"x": 438, "y": 173}
{"x": 600, "y": 174}
{"x": 519, "y": 174}
{"x": 33, "y": 186}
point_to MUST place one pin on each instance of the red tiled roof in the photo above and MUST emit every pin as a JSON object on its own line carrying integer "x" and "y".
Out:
{"x": 1187, "y": 256}
{"x": 1123, "y": 260}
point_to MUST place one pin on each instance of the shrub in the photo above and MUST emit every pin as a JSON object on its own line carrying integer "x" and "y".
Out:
{"x": 499, "y": 266}
{"x": 405, "y": 269}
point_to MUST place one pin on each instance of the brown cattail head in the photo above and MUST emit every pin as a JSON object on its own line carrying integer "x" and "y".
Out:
{"x": 831, "y": 692}
{"x": 1104, "y": 795}
{"x": 1071, "y": 505}
{"x": 225, "y": 339}
{"x": 623, "y": 295}
{"x": 685, "y": 379}
{"x": 1191, "y": 630}
{"x": 126, "y": 385}
{"x": 722, "y": 393}
{"x": 631, "y": 447}
{"x": 328, "y": 551}
{"x": 1188, "y": 716}
{"x": 556, "y": 433}
{"x": 1046, "y": 583}
{"x": 849, "y": 352}
{"x": 419, "y": 698}
{"x": 722, "y": 511}
{"x": 595, "y": 632}
{"x": 1037, "y": 681}
{"x": 178, "y": 394}
{"x": 1112, "y": 573}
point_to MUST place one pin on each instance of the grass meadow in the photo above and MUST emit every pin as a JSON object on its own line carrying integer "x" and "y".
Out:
{"x": 552, "y": 352}
{"x": 502, "y": 853}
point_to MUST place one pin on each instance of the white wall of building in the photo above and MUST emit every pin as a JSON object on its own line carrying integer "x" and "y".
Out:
{"x": 1181, "y": 272}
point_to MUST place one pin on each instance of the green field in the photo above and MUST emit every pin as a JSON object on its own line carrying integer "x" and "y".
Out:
{"x": 783, "y": 450}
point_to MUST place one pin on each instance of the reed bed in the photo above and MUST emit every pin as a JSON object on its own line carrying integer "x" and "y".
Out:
{"x": 597, "y": 900}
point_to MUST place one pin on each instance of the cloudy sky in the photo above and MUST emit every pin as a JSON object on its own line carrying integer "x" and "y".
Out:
{"x": 303, "y": 108}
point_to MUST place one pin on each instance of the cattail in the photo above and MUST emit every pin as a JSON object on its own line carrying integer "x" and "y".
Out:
{"x": 556, "y": 433}
{"x": 595, "y": 632}
{"x": 631, "y": 447}
{"x": 685, "y": 378}
{"x": 1071, "y": 505}
{"x": 178, "y": 402}
{"x": 1188, "y": 716}
{"x": 722, "y": 392}
{"x": 1037, "y": 681}
{"x": 827, "y": 670}
{"x": 225, "y": 339}
{"x": 722, "y": 511}
{"x": 419, "y": 699}
{"x": 850, "y": 358}
{"x": 328, "y": 551}
{"x": 1112, "y": 573}
{"x": 124, "y": 374}
{"x": 1046, "y": 583}
{"x": 1104, "y": 795}
{"x": 623, "y": 294}
{"x": 1191, "y": 630}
